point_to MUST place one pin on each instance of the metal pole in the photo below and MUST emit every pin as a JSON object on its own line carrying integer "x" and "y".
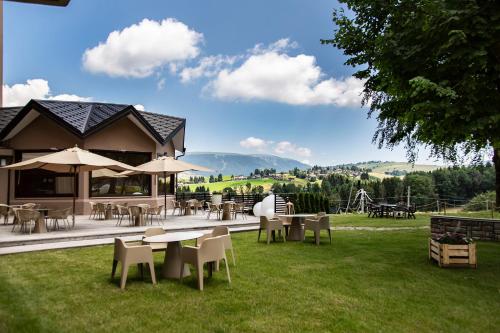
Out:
{"x": 74, "y": 194}
{"x": 408, "y": 198}
{"x": 165, "y": 193}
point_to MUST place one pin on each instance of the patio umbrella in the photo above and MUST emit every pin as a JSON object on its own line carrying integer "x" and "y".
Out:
{"x": 107, "y": 173}
{"x": 163, "y": 166}
{"x": 73, "y": 160}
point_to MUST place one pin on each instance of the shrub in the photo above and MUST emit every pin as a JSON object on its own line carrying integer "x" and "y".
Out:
{"x": 479, "y": 202}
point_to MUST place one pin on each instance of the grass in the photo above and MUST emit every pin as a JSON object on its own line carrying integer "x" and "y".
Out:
{"x": 362, "y": 220}
{"x": 364, "y": 282}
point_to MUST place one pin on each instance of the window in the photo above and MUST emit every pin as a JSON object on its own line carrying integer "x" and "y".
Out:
{"x": 42, "y": 183}
{"x": 126, "y": 186}
{"x": 166, "y": 186}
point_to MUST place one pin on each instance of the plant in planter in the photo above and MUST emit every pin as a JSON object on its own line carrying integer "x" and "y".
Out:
{"x": 453, "y": 250}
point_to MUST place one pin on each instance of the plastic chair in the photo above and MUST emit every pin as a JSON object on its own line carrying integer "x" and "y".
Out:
{"x": 270, "y": 226}
{"x": 153, "y": 232}
{"x": 210, "y": 251}
{"x": 220, "y": 231}
{"x": 316, "y": 225}
{"x": 129, "y": 255}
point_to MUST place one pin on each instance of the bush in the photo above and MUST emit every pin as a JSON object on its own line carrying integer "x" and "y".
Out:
{"x": 479, "y": 202}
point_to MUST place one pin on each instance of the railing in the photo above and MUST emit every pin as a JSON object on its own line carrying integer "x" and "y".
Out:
{"x": 251, "y": 199}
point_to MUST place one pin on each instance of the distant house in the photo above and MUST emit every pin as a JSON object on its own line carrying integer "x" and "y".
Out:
{"x": 240, "y": 177}
{"x": 117, "y": 131}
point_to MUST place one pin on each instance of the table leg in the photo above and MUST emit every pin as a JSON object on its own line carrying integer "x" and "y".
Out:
{"x": 40, "y": 226}
{"x": 108, "y": 215}
{"x": 296, "y": 232}
{"x": 187, "y": 210}
{"x": 172, "y": 265}
{"x": 139, "y": 220}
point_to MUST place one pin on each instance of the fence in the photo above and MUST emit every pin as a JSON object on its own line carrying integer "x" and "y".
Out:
{"x": 304, "y": 202}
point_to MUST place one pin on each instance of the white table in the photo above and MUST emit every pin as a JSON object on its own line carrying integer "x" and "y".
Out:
{"x": 296, "y": 230}
{"x": 172, "y": 264}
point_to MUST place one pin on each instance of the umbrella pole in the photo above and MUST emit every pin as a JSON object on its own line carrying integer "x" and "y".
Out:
{"x": 74, "y": 194}
{"x": 165, "y": 193}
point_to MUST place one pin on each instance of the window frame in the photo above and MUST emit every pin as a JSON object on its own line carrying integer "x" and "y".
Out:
{"x": 99, "y": 151}
{"x": 18, "y": 158}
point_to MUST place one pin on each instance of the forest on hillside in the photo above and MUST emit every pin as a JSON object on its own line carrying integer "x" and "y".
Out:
{"x": 453, "y": 186}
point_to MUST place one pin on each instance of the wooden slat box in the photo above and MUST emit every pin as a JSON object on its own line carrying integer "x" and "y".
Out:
{"x": 450, "y": 255}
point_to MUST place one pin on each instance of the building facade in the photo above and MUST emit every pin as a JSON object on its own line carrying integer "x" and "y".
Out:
{"x": 113, "y": 130}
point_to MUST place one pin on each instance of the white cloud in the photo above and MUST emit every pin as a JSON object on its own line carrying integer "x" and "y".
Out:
{"x": 139, "y": 107}
{"x": 207, "y": 67}
{"x": 281, "y": 45}
{"x": 278, "y": 77}
{"x": 286, "y": 147}
{"x": 306, "y": 162}
{"x": 254, "y": 143}
{"x": 281, "y": 148}
{"x": 142, "y": 49}
{"x": 19, "y": 94}
{"x": 160, "y": 84}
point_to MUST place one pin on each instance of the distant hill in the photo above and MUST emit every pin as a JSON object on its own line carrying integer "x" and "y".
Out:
{"x": 241, "y": 164}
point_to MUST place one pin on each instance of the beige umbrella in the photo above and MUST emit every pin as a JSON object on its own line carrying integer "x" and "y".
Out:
{"x": 72, "y": 160}
{"x": 106, "y": 173}
{"x": 163, "y": 166}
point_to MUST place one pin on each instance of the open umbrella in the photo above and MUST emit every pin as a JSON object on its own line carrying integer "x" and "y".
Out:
{"x": 163, "y": 166}
{"x": 73, "y": 160}
{"x": 107, "y": 173}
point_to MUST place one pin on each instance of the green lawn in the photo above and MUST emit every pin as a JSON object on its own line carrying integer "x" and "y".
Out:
{"x": 365, "y": 282}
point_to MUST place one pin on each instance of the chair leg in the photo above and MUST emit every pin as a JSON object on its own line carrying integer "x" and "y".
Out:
{"x": 152, "y": 271}
{"x": 258, "y": 237}
{"x": 199, "y": 272}
{"x": 123, "y": 279}
{"x": 113, "y": 270}
{"x": 330, "y": 235}
{"x": 227, "y": 270}
{"x": 316, "y": 236}
{"x": 232, "y": 255}
{"x": 268, "y": 236}
{"x": 182, "y": 271}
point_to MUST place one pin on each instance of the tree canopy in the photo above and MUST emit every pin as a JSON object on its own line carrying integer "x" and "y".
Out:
{"x": 431, "y": 71}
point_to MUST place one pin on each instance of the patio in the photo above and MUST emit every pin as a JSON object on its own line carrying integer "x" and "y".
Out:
{"x": 89, "y": 232}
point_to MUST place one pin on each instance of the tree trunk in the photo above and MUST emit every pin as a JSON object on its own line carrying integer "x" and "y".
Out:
{"x": 496, "y": 162}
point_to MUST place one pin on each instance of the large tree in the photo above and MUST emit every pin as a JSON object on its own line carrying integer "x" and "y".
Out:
{"x": 431, "y": 70}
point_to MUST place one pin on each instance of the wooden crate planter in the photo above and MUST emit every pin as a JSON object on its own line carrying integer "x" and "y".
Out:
{"x": 450, "y": 255}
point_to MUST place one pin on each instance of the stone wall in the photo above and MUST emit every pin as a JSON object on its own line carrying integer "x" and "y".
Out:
{"x": 476, "y": 228}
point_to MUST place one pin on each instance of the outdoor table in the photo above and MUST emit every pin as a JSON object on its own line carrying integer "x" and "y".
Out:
{"x": 226, "y": 210}
{"x": 187, "y": 208}
{"x": 384, "y": 208}
{"x": 139, "y": 219}
{"x": 40, "y": 223}
{"x": 172, "y": 263}
{"x": 108, "y": 212}
{"x": 297, "y": 220}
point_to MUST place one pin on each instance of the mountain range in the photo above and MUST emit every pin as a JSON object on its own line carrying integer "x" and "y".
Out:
{"x": 240, "y": 164}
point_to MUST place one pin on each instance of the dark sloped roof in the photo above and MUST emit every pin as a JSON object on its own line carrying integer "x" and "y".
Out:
{"x": 85, "y": 118}
{"x": 163, "y": 124}
{"x": 7, "y": 114}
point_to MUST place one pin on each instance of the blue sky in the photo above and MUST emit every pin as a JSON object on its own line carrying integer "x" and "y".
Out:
{"x": 250, "y": 77}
